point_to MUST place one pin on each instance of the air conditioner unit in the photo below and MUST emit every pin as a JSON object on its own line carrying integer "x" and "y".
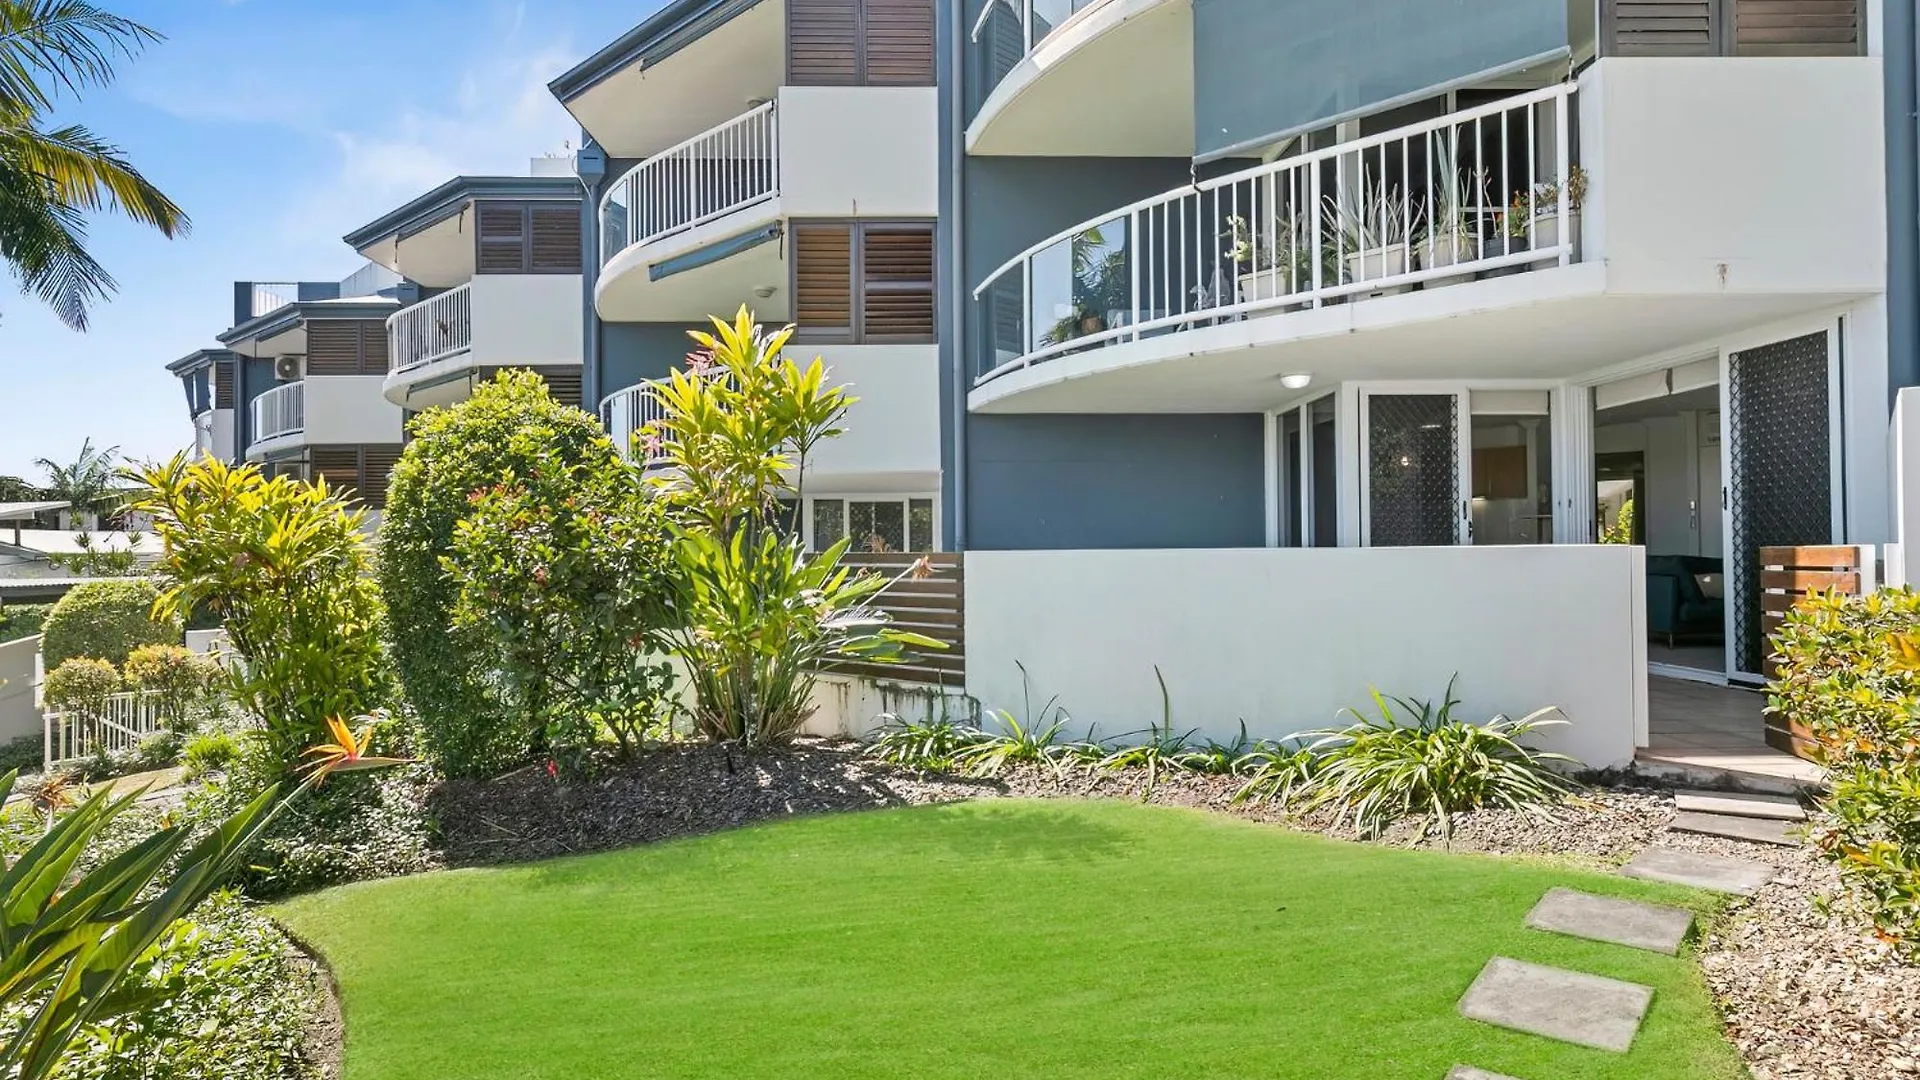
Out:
{"x": 287, "y": 368}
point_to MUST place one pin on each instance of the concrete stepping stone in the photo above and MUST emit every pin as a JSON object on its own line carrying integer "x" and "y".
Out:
{"x": 1755, "y": 830}
{"x": 1468, "y": 1072}
{"x": 1585, "y": 1010}
{"x": 1718, "y": 873}
{"x": 1619, "y": 922}
{"x": 1774, "y": 807}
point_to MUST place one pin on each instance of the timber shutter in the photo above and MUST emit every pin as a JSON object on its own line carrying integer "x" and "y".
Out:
{"x": 1731, "y": 27}
{"x": 360, "y": 470}
{"x": 1662, "y": 27}
{"x": 527, "y": 237}
{"x": 863, "y": 281}
{"x": 346, "y": 347}
{"x": 223, "y": 384}
{"x": 860, "y": 42}
{"x": 1796, "y": 27}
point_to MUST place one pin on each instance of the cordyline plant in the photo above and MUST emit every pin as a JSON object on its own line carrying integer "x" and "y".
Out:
{"x": 286, "y": 566}
{"x": 756, "y": 614}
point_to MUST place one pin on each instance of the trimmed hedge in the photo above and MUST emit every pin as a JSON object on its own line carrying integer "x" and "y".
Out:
{"x": 1850, "y": 671}
{"x": 22, "y": 620}
{"x": 508, "y": 427}
{"x": 107, "y": 620}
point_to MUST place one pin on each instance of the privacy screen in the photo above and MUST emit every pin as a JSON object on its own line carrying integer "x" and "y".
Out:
{"x": 1266, "y": 68}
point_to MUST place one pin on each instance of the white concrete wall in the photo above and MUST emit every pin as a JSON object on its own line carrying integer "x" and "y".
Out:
{"x": 1735, "y": 175}
{"x": 893, "y": 431}
{"x": 1904, "y": 466}
{"x": 349, "y": 410}
{"x": 19, "y": 716}
{"x": 846, "y": 707}
{"x": 530, "y": 319}
{"x": 859, "y": 151}
{"x": 1283, "y": 639}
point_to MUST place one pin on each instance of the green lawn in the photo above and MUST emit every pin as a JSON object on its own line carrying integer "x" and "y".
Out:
{"x": 994, "y": 939}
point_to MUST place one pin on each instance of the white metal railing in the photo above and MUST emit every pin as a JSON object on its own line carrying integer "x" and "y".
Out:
{"x": 715, "y": 173}
{"x": 280, "y": 411}
{"x": 430, "y": 330}
{"x": 1033, "y": 20}
{"x": 273, "y": 295}
{"x": 627, "y": 415}
{"x": 123, "y": 722}
{"x": 1429, "y": 205}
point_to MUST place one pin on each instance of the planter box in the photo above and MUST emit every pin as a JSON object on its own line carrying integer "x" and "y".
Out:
{"x": 1259, "y": 285}
{"x": 1390, "y": 261}
{"x": 1449, "y": 251}
{"x": 1545, "y": 230}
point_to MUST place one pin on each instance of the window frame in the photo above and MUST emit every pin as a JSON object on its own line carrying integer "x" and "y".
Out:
{"x": 905, "y": 500}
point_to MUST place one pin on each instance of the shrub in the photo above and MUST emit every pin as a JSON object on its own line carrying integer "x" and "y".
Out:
{"x": 563, "y": 578}
{"x": 508, "y": 427}
{"x": 81, "y": 685}
{"x": 176, "y": 674}
{"x": 757, "y": 614}
{"x": 24, "y": 754}
{"x": 931, "y": 744}
{"x": 1849, "y": 671}
{"x": 287, "y": 566}
{"x": 209, "y": 752}
{"x": 22, "y": 620}
{"x": 1379, "y": 771}
{"x": 106, "y": 619}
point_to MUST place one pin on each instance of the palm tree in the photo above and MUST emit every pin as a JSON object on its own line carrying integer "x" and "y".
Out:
{"x": 87, "y": 483}
{"x": 52, "y": 177}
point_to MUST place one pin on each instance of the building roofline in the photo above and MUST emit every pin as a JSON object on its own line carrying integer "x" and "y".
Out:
{"x": 433, "y": 207}
{"x": 198, "y": 359}
{"x": 675, "y": 26}
{"x": 287, "y": 316}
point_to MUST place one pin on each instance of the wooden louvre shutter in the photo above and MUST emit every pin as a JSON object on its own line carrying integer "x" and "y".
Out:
{"x": 333, "y": 347}
{"x": 563, "y": 383}
{"x": 376, "y": 467}
{"x": 899, "y": 43}
{"x": 373, "y": 347}
{"x": 1796, "y": 27}
{"x": 555, "y": 248}
{"x": 896, "y": 283}
{"x": 1661, "y": 27}
{"x": 501, "y": 238}
{"x": 223, "y": 384}
{"x": 823, "y": 43}
{"x": 823, "y": 280}
{"x": 339, "y": 466}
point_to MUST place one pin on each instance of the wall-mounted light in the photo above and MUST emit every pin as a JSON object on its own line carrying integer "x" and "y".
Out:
{"x": 763, "y": 291}
{"x": 1297, "y": 381}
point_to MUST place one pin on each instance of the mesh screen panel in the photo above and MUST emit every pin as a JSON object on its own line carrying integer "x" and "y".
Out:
{"x": 1413, "y": 469}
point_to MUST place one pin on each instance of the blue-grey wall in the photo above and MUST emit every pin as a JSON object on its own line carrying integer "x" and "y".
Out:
{"x": 1099, "y": 481}
{"x": 631, "y": 353}
{"x": 251, "y": 378}
{"x": 1264, "y": 68}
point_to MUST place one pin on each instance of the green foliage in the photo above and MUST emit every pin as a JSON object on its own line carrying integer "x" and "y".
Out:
{"x": 106, "y": 619}
{"x": 22, "y": 620}
{"x": 224, "y": 999}
{"x": 24, "y": 754}
{"x": 1275, "y": 772}
{"x": 209, "y": 752}
{"x": 1029, "y": 742}
{"x": 94, "y": 559}
{"x": 1164, "y": 749}
{"x": 82, "y": 685}
{"x": 757, "y": 615}
{"x": 287, "y": 566}
{"x": 933, "y": 744}
{"x": 564, "y": 583}
{"x": 1849, "y": 670}
{"x": 1621, "y": 531}
{"x": 511, "y": 426}
{"x": 1380, "y": 770}
{"x": 69, "y": 945}
{"x": 177, "y": 674}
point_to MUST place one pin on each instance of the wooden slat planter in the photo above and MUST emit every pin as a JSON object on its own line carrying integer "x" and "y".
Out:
{"x": 1787, "y": 576}
{"x": 934, "y": 607}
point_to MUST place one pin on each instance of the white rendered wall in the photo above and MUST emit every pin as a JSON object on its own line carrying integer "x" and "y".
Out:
{"x": 19, "y": 716}
{"x": 1284, "y": 638}
{"x": 892, "y": 435}
{"x": 1735, "y": 174}
{"x": 349, "y": 410}
{"x": 1905, "y": 467}
{"x": 863, "y": 151}
{"x": 223, "y": 447}
{"x": 526, "y": 319}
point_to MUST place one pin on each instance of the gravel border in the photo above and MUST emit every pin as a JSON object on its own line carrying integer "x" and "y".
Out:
{"x": 1807, "y": 992}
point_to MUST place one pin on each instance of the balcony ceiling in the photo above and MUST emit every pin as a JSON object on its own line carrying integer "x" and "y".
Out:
{"x": 627, "y": 292}
{"x": 1114, "y": 81}
{"x": 439, "y": 256}
{"x": 646, "y": 108}
{"x": 1552, "y": 324}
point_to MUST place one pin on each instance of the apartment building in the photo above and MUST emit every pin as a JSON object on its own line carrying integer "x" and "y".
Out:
{"x": 496, "y": 263}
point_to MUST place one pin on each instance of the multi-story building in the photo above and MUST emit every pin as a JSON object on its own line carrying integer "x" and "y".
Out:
{"x": 496, "y": 261}
{"x": 296, "y": 384}
{"x": 781, "y": 155}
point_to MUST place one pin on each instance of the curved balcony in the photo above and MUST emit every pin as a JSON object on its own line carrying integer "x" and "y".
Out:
{"x": 1464, "y": 198}
{"x": 1084, "y": 78}
{"x": 279, "y": 415}
{"x": 625, "y": 414}
{"x": 433, "y": 329}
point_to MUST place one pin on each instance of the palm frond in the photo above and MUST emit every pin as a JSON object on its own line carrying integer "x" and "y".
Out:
{"x": 70, "y": 44}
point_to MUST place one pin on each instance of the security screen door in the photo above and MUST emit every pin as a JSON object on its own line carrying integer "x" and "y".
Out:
{"x": 1415, "y": 480}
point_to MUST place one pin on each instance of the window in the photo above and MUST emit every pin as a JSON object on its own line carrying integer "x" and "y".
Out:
{"x": 346, "y": 347}
{"x": 875, "y": 523}
{"x": 361, "y": 470}
{"x": 863, "y": 282}
{"x": 860, "y": 43}
{"x": 527, "y": 237}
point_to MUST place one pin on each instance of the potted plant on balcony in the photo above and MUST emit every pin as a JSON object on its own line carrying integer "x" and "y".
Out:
{"x": 1450, "y": 238}
{"x": 1534, "y": 217}
{"x": 1273, "y": 263}
{"x": 1373, "y": 236}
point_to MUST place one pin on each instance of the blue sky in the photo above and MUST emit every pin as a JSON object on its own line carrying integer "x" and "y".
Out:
{"x": 278, "y": 125}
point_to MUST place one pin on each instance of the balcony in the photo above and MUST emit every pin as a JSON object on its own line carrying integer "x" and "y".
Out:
{"x": 1084, "y": 78}
{"x": 439, "y": 346}
{"x": 1451, "y": 248}
{"x": 626, "y": 414}
{"x": 279, "y": 416}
